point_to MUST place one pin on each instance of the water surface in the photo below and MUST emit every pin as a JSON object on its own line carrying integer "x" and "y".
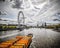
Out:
{"x": 42, "y": 38}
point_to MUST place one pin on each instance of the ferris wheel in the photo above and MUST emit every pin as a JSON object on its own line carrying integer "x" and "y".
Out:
{"x": 21, "y": 20}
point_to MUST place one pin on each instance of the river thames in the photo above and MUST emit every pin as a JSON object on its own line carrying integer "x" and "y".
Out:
{"x": 42, "y": 38}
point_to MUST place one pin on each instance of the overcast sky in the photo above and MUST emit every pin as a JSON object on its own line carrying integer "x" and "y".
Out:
{"x": 34, "y": 10}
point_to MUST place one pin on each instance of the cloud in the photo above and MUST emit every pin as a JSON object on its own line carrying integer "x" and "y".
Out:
{"x": 35, "y": 10}
{"x": 37, "y": 2}
{"x": 17, "y": 4}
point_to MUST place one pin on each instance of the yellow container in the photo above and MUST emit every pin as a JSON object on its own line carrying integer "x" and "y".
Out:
{"x": 4, "y": 45}
{"x": 25, "y": 40}
{"x": 19, "y": 37}
{"x": 9, "y": 42}
{"x": 16, "y": 46}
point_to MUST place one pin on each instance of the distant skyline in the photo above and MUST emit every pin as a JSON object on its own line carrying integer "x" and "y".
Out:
{"x": 34, "y": 10}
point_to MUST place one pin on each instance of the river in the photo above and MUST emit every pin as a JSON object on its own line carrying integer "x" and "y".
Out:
{"x": 42, "y": 38}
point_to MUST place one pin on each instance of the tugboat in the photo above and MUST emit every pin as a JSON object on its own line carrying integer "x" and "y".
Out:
{"x": 30, "y": 34}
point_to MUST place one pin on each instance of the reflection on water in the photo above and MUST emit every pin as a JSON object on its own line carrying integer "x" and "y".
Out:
{"x": 42, "y": 38}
